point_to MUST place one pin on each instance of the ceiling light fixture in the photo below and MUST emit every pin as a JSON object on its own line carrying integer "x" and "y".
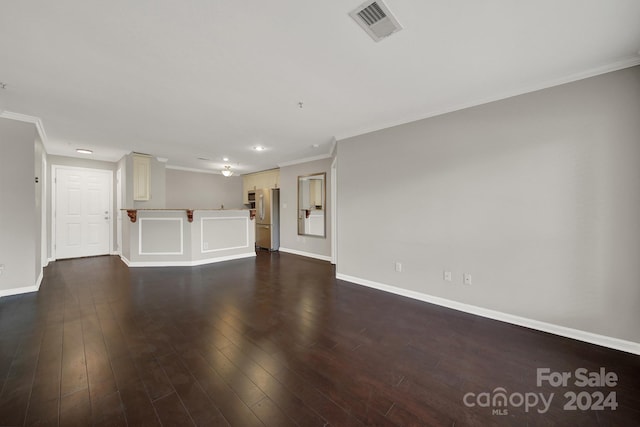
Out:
{"x": 259, "y": 148}
{"x": 227, "y": 171}
{"x": 83, "y": 151}
{"x": 225, "y": 159}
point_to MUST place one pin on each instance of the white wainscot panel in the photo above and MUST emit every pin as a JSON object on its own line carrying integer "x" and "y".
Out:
{"x": 218, "y": 234}
{"x": 161, "y": 236}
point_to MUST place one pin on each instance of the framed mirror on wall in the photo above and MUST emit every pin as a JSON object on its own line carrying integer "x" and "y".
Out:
{"x": 312, "y": 205}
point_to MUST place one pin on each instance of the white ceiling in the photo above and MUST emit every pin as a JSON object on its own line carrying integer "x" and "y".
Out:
{"x": 213, "y": 78}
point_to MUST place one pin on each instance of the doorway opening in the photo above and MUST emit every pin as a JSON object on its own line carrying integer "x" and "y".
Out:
{"x": 82, "y": 208}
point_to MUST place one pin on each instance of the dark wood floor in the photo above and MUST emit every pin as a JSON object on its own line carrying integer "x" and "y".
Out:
{"x": 273, "y": 341}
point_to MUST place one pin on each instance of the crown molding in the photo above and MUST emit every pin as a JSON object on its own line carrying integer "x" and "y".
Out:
{"x": 181, "y": 168}
{"x": 334, "y": 146}
{"x": 27, "y": 119}
{"x": 592, "y": 72}
{"x": 305, "y": 160}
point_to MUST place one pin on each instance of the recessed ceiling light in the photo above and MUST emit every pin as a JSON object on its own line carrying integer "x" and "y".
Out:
{"x": 225, "y": 159}
{"x": 258, "y": 148}
{"x": 315, "y": 146}
{"x": 83, "y": 151}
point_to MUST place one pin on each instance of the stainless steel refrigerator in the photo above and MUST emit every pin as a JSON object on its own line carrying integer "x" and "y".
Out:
{"x": 268, "y": 218}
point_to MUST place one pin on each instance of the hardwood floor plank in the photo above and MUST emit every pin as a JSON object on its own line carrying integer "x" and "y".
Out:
{"x": 43, "y": 413}
{"x": 171, "y": 411}
{"x": 13, "y": 413}
{"x": 125, "y": 372}
{"x": 74, "y": 367}
{"x": 288, "y": 402}
{"x": 75, "y": 409}
{"x": 203, "y": 411}
{"x": 234, "y": 410}
{"x": 46, "y": 383}
{"x": 270, "y": 414}
{"x": 154, "y": 378}
{"x": 139, "y": 411}
{"x": 108, "y": 411}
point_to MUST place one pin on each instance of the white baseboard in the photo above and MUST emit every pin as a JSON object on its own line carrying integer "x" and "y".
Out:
{"x": 24, "y": 289}
{"x": 602, "y": 340}
{"x": 307, "y": 254}
{"x": 39, "y": 279}
{"x": 185, "y": 263}
{"x": 18, "y": 291}
{"x": 223, "y": 258}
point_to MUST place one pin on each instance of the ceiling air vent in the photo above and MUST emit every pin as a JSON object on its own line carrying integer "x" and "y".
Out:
{"x": 376, "y": 19}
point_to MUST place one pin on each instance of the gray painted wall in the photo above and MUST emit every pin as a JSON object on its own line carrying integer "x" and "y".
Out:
{"x": 186, "y": 189}
{"x": 289, "y": 238}
{"x": 18, "y": 216}
{"x": 536, "y": 196}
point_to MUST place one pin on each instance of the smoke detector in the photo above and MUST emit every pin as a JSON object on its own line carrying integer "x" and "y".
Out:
{"x": 376, "y": 19}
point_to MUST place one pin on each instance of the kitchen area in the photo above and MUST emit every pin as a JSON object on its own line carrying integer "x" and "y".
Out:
{"x": 180, "y": 217}
{"x": 261, "y": 195}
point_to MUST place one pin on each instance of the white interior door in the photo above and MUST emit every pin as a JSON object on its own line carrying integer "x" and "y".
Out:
{"x": 82, "y": 212}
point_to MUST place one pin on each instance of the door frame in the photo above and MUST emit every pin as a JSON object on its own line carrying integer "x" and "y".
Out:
{"x": 44, "y": 245}
{"x": 334, "y": 211}
{"x": 54, "y": 204}
{"x": 118, "y": 216}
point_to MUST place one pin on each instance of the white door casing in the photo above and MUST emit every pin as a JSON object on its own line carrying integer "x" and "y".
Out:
{"x": 119, "y": 211}
{"x": 82, "y": 212}
{"x": 334, "y": 211}
{"x": 44, "y": 245}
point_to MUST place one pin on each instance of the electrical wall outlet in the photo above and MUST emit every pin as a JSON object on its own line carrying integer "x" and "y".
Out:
{"x": 446, "y": 276}
{"x": 1, "y": 269}
{"x": 398, "y": 267}
{"x": 205, "y": 245}
{"x": 466, "y": 277}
